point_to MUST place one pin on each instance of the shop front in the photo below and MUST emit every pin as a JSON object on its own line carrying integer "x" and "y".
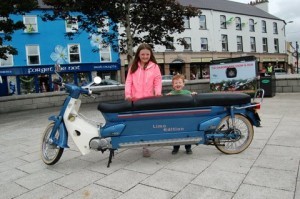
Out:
{"x": 38, "y": 79}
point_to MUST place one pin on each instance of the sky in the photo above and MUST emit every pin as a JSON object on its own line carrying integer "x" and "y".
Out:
{"x": 288, "y": 10}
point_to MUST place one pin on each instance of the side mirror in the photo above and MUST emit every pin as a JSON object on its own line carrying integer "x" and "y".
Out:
{"x": 97, "y": 80}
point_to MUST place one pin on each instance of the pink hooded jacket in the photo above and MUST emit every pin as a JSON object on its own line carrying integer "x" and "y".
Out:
{"x": 143, "y": 83}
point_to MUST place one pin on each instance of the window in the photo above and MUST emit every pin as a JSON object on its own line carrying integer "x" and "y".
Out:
{"x": 8, "y": 61}
{"x": 224, "y": 43}
{"x": 105, "y": 28}
{"x": 74, "y": 53}
{"x": 204, "y": 44}
{"x": 251, "y": 25}
{"x": 276, "y": 45}
{"x": 202, "y": 22}
{"x": 188, "y": 44}
{"x": 263, "y": 26}
{"x": 275, "y": 30}
{"x": 252, "y": 44}
{"x": 186, "y": 22}
{"x": 170, "y": 45}
{"x": 265, "y": 45}
{"x": 222, "y": 22}
{"x": 33, "y": 54}
{"x": 238, "y": 24}
{"x": 105, "y": 55}
{"x": 71, "y": 24}
{"x": 239, "y": 41}
{"x": 31, "y": 24}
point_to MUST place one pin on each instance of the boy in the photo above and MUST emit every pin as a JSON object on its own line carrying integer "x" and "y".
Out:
{"x": 178, "y": 84}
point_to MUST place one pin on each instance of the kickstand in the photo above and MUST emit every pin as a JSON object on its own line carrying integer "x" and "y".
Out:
{"x": 111, "y": 154}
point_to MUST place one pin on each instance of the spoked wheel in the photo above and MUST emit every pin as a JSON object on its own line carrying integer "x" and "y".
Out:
{"x": 50, "y": 153}
{"x": 237, "y": 141}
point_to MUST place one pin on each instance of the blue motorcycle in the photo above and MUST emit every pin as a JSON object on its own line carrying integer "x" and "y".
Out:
{"x": 224, "y": 120}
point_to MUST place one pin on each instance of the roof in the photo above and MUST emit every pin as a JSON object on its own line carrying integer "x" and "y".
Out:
{"x": 229, "y": 7}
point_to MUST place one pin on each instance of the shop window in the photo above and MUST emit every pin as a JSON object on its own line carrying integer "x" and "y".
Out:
{"x": 71, "y": 24}
{"x": 83, "y": 79}
{"x": 33, "y": 54}
{"x": 204, "y": 44}
{"x": 44, "y": 83}
{"x": 202, "y": 22}
{"x": 74, "y": 53}
{"x": 30, "y": 23}
{"x": 105, "y": 53}
{"x": 27, "y": 84}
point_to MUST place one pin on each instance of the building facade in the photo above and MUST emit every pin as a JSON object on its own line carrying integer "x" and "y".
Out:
{"x": 42, "y": 45}
{"x": 223, "y": 30}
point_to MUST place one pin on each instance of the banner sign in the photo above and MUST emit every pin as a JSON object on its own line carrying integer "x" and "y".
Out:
{"x": 234, "y": 77}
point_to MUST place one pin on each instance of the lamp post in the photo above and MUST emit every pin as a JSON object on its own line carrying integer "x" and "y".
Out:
{"x": 297, "y": 56}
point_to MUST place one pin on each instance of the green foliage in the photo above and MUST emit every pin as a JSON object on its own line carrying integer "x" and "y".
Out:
{"x": 150, "y": 21}
{"x": 8, "y": 26}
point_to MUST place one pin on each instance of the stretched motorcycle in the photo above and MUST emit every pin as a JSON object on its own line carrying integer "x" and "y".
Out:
{"x": 224, "y": 120}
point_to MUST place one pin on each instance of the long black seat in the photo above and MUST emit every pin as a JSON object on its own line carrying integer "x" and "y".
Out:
{"x": 176, "y": 101}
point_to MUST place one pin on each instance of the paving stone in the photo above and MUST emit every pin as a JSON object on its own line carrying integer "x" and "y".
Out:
{"x": 11, "y": 175}
{"x": 101, "y": 167}
{"x": 122, "y": 180}
{"x": 232, "y": 164}
{"x": 146, "y": 165}
{"x": 69, "y": 166}
{"x": 169, "y": 180}
{"x": 11, "y": 190}
{"x": 282, "y": 163}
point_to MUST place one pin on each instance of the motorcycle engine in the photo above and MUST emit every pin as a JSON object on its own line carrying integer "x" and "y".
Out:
{"x": 100, "y": 143}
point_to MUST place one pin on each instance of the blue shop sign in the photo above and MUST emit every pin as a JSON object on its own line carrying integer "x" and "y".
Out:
{"x": 49, "y": 69}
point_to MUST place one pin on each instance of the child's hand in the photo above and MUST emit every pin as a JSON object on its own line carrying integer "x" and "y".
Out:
{"x": 168, "y": 94}
{"x": 194, "y": 93}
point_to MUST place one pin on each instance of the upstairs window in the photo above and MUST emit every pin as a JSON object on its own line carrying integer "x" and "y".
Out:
{"x": 74, "y": 53}
{"x": 186, "y": 22}
{"x": 222, "y": 22}
{"x": 170, "y": 43}
{"x": 71, "y": 24}
{"x": 188, "y": 45}
{"x": 251, "y": 25}
{"x": 202, "y": 21}
{"x": 263, "y": 26}
{"x": 275, "y": 30}
{"x": 8, "y": 61}
{"x": 252, "y": 44}
{"x": 204, "y": 44}
{"x": 276, "y": 45}
{"x": 2, "y": 19}
{"x": 239, "y": 42}
{"x": 224, "y": 43}
{"x": 105, "y": 53}
{"x": 33, "y": 54}
{"x": 238, "y": 23}
{"x": 31, "y": 24}
{"x": 265, "y": 45}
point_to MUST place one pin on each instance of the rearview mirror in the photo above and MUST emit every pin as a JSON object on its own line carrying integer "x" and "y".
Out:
{"x": 97, "y": 80}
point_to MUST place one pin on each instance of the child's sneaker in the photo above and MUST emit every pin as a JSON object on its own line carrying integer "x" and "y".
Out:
{"x": 189, "y": 151}
{"x": 175, "y": 151}
{"x": 146, "y": 153}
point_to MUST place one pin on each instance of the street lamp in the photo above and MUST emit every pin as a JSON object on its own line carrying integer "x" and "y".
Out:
{"x": 297, "y": 56}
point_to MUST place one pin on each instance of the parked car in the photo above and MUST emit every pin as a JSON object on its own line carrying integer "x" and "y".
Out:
{"x": 104, "y": 84}
{"x": 279, "y": 71}
{"x": 167, "y": 78}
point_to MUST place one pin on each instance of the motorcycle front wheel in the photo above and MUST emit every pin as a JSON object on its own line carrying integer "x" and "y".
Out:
{"x": 50, "y": 153}
{"x": 243, "y": 135}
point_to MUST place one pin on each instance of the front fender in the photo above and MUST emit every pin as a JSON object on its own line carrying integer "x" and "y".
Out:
{"x": 59, "y": 125}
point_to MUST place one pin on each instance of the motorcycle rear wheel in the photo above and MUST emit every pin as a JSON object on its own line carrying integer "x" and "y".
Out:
{"x": 245, "y": 130}
{"x": 50, "y": 153}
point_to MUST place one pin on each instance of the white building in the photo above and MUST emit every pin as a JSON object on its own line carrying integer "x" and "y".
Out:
{"x": 224, "y": 29}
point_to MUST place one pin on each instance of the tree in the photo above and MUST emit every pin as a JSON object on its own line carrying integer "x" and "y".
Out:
{"x": 150, "y": 21}
{"x": 8, "y": 26}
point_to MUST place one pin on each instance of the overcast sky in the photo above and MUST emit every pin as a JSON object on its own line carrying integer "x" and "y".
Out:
{"x": 288, "y": 10}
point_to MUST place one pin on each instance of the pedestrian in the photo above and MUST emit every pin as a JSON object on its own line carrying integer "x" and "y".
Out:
{"x": 178, "y": 85}
{"x": 143, "y": 78}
